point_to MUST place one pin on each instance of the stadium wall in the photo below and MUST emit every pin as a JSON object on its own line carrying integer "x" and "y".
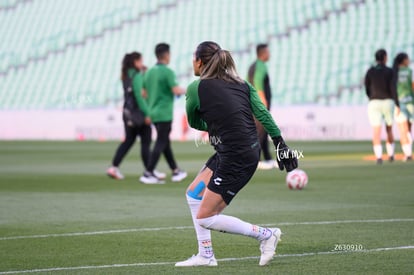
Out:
{"x": 297, "y": 123}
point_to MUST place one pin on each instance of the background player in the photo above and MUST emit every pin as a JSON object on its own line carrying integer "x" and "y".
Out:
{"x": 161, "y": 86}
{"x": 381, "y": 91}
{"x": 405, "y": 118}
{"x": 134, "y": 105}
{"x": 259, "y": 78}
{"x": 224, "y": 105}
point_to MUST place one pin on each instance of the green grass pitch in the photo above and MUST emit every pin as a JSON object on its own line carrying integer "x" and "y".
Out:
{"x": 60, "y": 214}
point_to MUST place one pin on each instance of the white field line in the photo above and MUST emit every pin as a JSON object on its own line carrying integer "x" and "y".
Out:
{"x": 381, "y": 249}
{"x": 89, "y": 233}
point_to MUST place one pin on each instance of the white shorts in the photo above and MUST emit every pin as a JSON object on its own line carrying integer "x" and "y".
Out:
{"x": 380, "y": 110}
{"x": 406, "y": 113}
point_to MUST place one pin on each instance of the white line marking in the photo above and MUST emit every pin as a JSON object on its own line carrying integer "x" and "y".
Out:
{"x": 344, "y": 221}
{"x": 381, "y": 249}
{"x": 95, "y": 232}
{"x": 116, "y": 231}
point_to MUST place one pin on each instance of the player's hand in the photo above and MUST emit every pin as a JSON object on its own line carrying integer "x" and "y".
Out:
{"x": 397, "y": 110}
{"x": 144, "y": 93}
{"x": 286, "y": 159}
{"x": 147, "y": 121}
{"x": 178, "y": 91}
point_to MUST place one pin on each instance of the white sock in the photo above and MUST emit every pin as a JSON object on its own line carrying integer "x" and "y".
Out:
{"x": 410, "y": 139}
{"x": 390, "y": 149}
{"x": 205, "y": 247}
{"x": 407, "y": 149}
{"x": 378, "y": 151}
{"x": 233, "y": 225}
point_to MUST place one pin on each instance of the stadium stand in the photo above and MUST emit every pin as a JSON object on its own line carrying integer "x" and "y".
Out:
{"x": 66, "y": 54}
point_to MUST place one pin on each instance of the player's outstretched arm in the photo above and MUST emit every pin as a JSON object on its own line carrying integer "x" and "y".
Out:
{"x": 285, "y": 158}
{"x": 262, "y": 114}
{"x": 192, "y": 107}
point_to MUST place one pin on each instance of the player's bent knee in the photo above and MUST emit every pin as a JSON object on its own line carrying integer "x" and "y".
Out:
{"x": 207, "y": 223}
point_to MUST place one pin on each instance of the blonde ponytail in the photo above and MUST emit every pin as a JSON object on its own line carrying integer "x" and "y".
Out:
{"x": 217, "y": 63}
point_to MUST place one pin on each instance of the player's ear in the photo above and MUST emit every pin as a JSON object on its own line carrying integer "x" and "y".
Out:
{"x": 199, "y": 63}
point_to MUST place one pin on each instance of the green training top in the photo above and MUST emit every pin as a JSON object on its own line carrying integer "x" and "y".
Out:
{"x": 258, "y": 76}
{"x": 257, "y": 79}
{"x": 159, "y": 81}
{"x": 137, "y": 82}
{"x": 404, "y": 85}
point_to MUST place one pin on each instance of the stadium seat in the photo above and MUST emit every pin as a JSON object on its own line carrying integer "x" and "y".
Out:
{"x": 319, "y": 48}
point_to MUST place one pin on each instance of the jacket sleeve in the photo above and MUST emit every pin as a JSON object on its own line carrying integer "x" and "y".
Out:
{"x": 410, "y": 81}
{"x": 262, "y": 114}
{"x": 137, "y": 89}
{"x": 393, "y": 88}
{"x": 192, "y": 107}
{"x": 367, "y": 85}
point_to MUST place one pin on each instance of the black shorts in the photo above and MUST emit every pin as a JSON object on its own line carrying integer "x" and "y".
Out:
{"x": 231, "y": 174}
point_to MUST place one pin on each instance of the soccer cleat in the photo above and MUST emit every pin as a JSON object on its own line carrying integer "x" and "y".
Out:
{"x": 268, "y": 247}
{"x": 150, "y": 178}
{"x": 114, "y": 173}
{"x": 160, "y": 175}
{"x": 391, "y": 158}
{"x": 178, "y": 175}
{"x": 266, "y": 165}
{"x": 198, "y": 260}
{"x": 379, "y": 161}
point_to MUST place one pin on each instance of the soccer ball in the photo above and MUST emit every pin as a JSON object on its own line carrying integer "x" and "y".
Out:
{"x": 296, "y": 179}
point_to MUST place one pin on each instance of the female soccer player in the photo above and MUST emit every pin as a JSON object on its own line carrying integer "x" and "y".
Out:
{"x": 135, "y": 114}
{"x": 221, "y": 103}
{"x": 405, "y": 93}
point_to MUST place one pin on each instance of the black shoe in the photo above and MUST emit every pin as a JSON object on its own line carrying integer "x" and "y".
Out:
{"x": 391, "y": 159}
{"x": 406, "y": 159}
{"x": 379, "y": 161}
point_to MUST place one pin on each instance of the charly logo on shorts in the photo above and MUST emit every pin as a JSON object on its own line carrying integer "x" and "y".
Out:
{"x": 217, "y": 181}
